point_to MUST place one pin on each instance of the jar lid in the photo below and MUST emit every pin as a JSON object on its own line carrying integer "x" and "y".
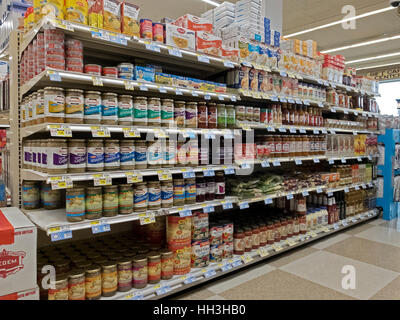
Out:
{"x": 154, "y": 98}
{"x": 127, "y": 185}
{"x": 76, "y": 273}
{"x": 111, "y": 141}
{"x": 110, "y": 94}
{"x": 93, "y": 268}
{"x": 78, "y": 189}
{"x": 60, "y": 278}
{"x": 125, "y": 261}
{"x": 40, "y": 91}
{"x": 125, "y": 96}
{"x": 53, "y": 88}
{"x": 109, "y": 264}
{"x": 74, "y": 90}
{"x": 92, "y": 92}
{"x": 95, "y": 141}
{"x": 153, "y": 255}
{"x": 76, "y": 140}
{"x": 140, "y": 98}
{"x": 191, "y": 103}
{"x": 167, "y": 100}
{"x": 140, "y": 258}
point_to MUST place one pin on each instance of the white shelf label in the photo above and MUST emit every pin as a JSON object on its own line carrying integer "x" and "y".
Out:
{"x": 333, "y": 110}
{"x": 245, "y": 165}
{"x": 60, "y": 233}
{"x": 298, "y": 101}
{"x": 355, "y": 133}
{"x": 227, "y": 205}
{"x": 346, "y": 190}
{"x": 54, "y": 76}
{"x": 265, "y": 164}
{"x": 160, "y": 133}
{"x": 330, "y": 194}
{"x": 305, "y": 193}
{"x": 100, "y": 227}
{"x": 247, "y": 258}
{"x": 332, "y": 131}
{"x": 163, "y": 290}
{"x": 363, "y": 186}
{"x": 188, "y": 174}
{"x": 58, "y": 130}
{"x": 143, "y": 87}
{"x": 282, "y": 129}
{"x": 324, "y": 131}
{"x": 277, "y": 247}
{"x": 131, "y": 133}
{"x": 146, "y": 218}
{"x": 357, "y": 188}
{"x": 129, "y": 85}
{"x": 344, "y": 223}
{"x": 336, "y": 226}
{"x": 100, "y": 132}
{"x": 271, "y": 129}
{"x": 263, "y": 252}
{"x": 226, "y": 267}
{"x": 233, "y": 98}
{"x": 292, "y": 130}
{"x": 291, "y": 242}
{"x": 208, "y": 209}
{"x": 228, "y": 64}
{"x": 189, "y": 279}
{"x": 221, "y": 98}
{"x": 283, "y": 100}
{"x": 153, "y": 47}
{"x": 61, "y": 183}
{"x": 319, "y": 190}
{"x": 97, "y": 81}
{"x": 306, "y": 102}
{"x": 331, "y": 161}
{"x": 102, "y": 180}
{"x": 316, "y": 131}
{"x": 243, "y": 205}
{"x": 209, "y": 173}
{"x": 175, "y": 52}
{"x": 359, "y": 159}
{"x": 237, "y": 263}
{"x": 203, "y": 58}
{"x": 229, "y": 171}
{"x": 303, "y": 131}
{"x": 209, "y": 273}
{"x": 133, "y": 177}
{"x": 178, "y": 92}
{"x": 185, "y": 213}
{"x": 274, "y": 99}
{"x": 134, "y": 296}
{"x": 343, "y": 160}
{"x": 268, "y": 201}
{"x": 289, "y": 196}
{"x": 276, "y": 164}
{"x": 316, "y": 160}
{"x": 164, "y": 175}
{"x": 162, "y": 90}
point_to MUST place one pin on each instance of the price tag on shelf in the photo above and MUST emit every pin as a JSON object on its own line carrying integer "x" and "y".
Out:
{"x": 58, "y": 183}
{"x": 100, "y": 227}
{"x": 306, "y": 102}
{"x": 291, "y": 242}
{"x": 54, "y": 76}
{"x": 316, "y": 160}
{"x": 330, "y": 194}
{"x": 209, "y": 172}
{"x": 58, "y": 130}
{"x": 163, "y": 290}
{"x": 164, "y": 175}
{"x": 333, "y": 110}
{"x": 134, "y": 296}
{"x": 229, "y": 170}
{"x": 276, "y": 164}
{"x": 289, "y": 196}
{"x": 305, "y": 193}
{"x": 316, "y": 131}
{"x": 102, "y": 180}
{"x": 208, "y": 209}
{"x": 268, "y": 201}
{"x": 143, "y": 87}
{"x": 226, "y": 267}
{"x": 343, "y": 160}
{"x": 333, "y": 85}
{"x": 363, "y": 186}
{"x": 100, "y": 132}
{"x": 271, "y": 129}
{"x": 303, "y": 131}
{"x": 153, "y": 47}
{"x": 243, "y": 205}
{"x": 203, "y": 58}
{"x": 147, "y": 218}
{"x": 274, "y": 99}
{"x": 237, "y": 263}
{"x": 184, "y": 212}
{"x": 282, "y": 129}
{"x": 284, "y": 100}
{"x": 131, "y": 133}
{"x": 356, "y": 188}
{"x": 292, "y": 130}
{"x": 324, "y": 131}
{"x": 370, "y": 184}
{"x": 160, "y": 133}
{"x": 265, "y": 164}
{"x": 331, "y": 161}
{"x": 113, "y": 37}
{"x": 319, "y": 190}
{"x": 208, "y": 134}
{"x": 247, "y": 258}
{"x": 60, "y": 233}
{"x": 209, "y": 273}
{"x": 64, "y": 25}
{"x": 355, "y": 133}
{"x": 355, "y": 113}
{"x": 189, "y": 279}
{"x": 246, "y": 64}
{"x": 291, "y": 101}
{"x": 245, "y": 165}
{"x": 312, "y": 234}
{"x": 233, "y": 99}
{"x": 320, "y": 104}
{"x": 344, "y": 223}
{"x": 178, "y": 92}
{"x": 332, "y": 131}
{"x": 336, "y": 226}
{"x": 345, "y": 112}
{"x": 188, "y": 174}
{"x": 162, "y": 90}
{"x": 97, "y": 34}
{"x": 346, "y": 190}
{"x": 326, "y": 83}
{"x": 263, "y": 252}
{"x": 370, "y": 158}
{"x": 129, "y": 85}
{"x": 283, "y": 74}
{"x": 97, "y": 81}
{"x": 175, "y": 52}
{"x": 133, "y": 177}
{"x": 359, "y": 159}
{"x": 228, "y": 64}
{"x": 298, "y": 101}
{"x": 277, "y": 247}
{"x": 226, "y": 205}
{"x": 221, "y": 98}
{"x": 354, "y": 220}
{"x": 320, "y": 81}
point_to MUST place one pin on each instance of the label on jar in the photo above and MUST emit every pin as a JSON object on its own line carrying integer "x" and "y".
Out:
{"x": 167, "y": 113}
{"x": 74, "y": 106}
{"x": 92, "y": 108}
{"x": 140, "y": 112}
{"x": 127, "y": 155}
{"x": 154, "y": 112}
{"x": 140, "y": 198}
{"x": 76, "y": 291}
{"x": 154, "y": 270}
{"x": 94, "y": 203}
{"x": 154, "y": 196}
{"x": 77, "y": 157}
{"x": 54, "y": 105}
{"x": 179, "y": 192}
{"x": 125, "y": 199}
{"x": 93, "y": 286}
{"x": 140, "y": 275}
{"x": 285, "y": 147}
{"x": 154, "y": 154}
{"x": 75, "y": 205}
{"x": 30, "y": 196}
{"x": 168, "y": 156}
{"x": 191, "y": 117}
{"x": 58, "y": 294}
{"x": 190, "y": 190}
{"x": 109, "y": 110}
{"x": 124, "y": 278}
{"x": 125, "y": 111}
{"x": 220, "y": 188}
{"x": 58, "y": 157}
{"x": 40, "y": 107}
{"x": 278, "y": 147}
{"x": 141, "y": 155}
{"x": 95, "y": 157}
{"x": 210, "y": 187}
{"x": 167, "y": 194}
{"x": 110, "y": 201}
{"x": 109, "y": 281}
{"x": 111, "y": 156}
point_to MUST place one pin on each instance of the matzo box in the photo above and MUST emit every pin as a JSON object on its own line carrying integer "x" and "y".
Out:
{"x": 31, "y": 294}
{"x": 129, "y": 19}
{"x": 17, "y": 252}
{"x": 208, "y": 43}
{"x": 180, "y": 37}
{"x": 194, "y": 23}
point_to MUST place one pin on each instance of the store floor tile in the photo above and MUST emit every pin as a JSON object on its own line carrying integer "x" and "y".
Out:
{"x": 290, "y": 256}
{"x": 216, "y": 297}
{"x": 330, "y": 240}
{"x": 325, "y": 268}
{"x": 382, "y": 234}
{"x": 395, "y": 224}
{"x": 357, "y": 229}
{"x": 375, "y": 253}
{"x": 280, "y": 285}
{"x": 196, "y": 294}
{"x": 239, "y": 278}
{"x": 376, "y": 222}
{"x": 390, "y": 292}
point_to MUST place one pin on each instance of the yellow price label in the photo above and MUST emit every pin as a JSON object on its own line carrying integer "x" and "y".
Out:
{"x": 95, "y": 223}
{"x": 55, "y": 229}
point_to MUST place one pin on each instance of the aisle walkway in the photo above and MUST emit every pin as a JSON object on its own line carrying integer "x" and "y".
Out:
{"x": 314, "y": 271}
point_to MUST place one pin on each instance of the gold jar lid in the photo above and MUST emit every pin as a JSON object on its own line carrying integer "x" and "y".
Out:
{"x": 93, "y": 268}
{"x": 124, "y": 261}
{"x": 140, "y": 258}
{"x": 109, "y": 264}
{"x": 76, "y": 273}
{"x": 153, "y": 255}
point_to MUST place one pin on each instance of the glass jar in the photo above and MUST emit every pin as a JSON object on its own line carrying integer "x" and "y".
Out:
{"x": 124, "y": 275}
{"x": 75, "y": 204}
{"x": 210, "y": 188}
{"x": 230, "y": 116}
{"x": 200, "y": 188}
{"x": 77, "y": 155}
{"x": 154, "y": 195}
{"x": 256, "y": 114}
{"x": 167, "y": 194}
{"x": 109, "y": 279}
{"x": 76, "y": 285}
{"x": 93, "y": 282}
{"x": 140, "y": 111}
{"x": 54, "y": 105}
{"x": 167, "y": 264}
{"x": 240, "y": 113}
{"x": 110, "y": 201}
{"x": 127, "y": 154}
{"x": 179, "y": 114}
{"x": 191, "y": 115}
{"x": 140, "y": 197}
{"x": 167, "y": 112}
{"x": 238, "y": 242}
{"x": 94, "y": 203}
{"x": 154, "y": 154}
{"x": 270, "y": 233}
{"x": 125, "y": 110}
{"x": 140, "y": 272}
{"x": 51, "y": 199}
{"x": 278, "y": 146}
{"x": 202, "y": 115}
{"x": 140, "y": 154}
{"x": 109, "y": 108}
{"x": 60, "y": 292}
{"x": 219, "y": 185}
{"x": 30, "y": 195}
{"x": 255, "y": 237}
{"x": 74, "y": 106}
{"x": 277, "y": 231}
{"x": 57, "y": 156}
{"x": 179, "y": 192}
{"x": 221, "y": 116}
{"x": 154, "y": 267}
{"x": 154, "y": 112}
{"x": 248, "y": 236}
{"x": 111, "y": 155}
{"x": 95, "y": 155}
{"x": 125, "y": 199}
{"x": 92, "y": 107}
{"x": 212, "y": 115}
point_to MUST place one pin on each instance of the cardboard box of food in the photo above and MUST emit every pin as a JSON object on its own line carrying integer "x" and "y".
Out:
{"x": 31, "y": 294}
{"x": 180, "y": 37}
{"x": 194, "y": 23}
{"x": 130, "y": 19}
{"x": 208, "y": 43}
{"x": 18, "y": 238}
{"x": 144, "y": 74}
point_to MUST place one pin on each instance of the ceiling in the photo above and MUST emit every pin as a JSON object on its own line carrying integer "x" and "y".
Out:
{"x": 299, "y": 15}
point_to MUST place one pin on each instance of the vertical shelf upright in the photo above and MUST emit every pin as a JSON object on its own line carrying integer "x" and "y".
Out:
{"x": 387, "y": 171}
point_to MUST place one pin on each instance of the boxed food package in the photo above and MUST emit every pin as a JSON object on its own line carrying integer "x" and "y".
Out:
{"x": 194, "y": 23}
{"x": 180, "y": 37}
{"x": 112, "y": 15}
{"x": 130, "y": 19}
{"x": 18, "y": 238}
{"x": 95, "y": 13}
{"x": 31, "y": 294}
{"x": 76, "y": 11}
{"x": 231, "y": 54}
{"x": 164, "y": 78}
{"x": 144, "y": 74}
{"x": 208, "y": 43}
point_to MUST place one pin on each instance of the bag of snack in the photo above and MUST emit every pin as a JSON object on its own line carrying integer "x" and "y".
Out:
{"x": 129, "y": 17}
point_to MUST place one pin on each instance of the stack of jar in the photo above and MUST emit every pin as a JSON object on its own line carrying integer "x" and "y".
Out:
{"x": 339, "y": 98}
{"x": 221, "y": 239}
{"x": 92, "y": 269}
{"x": 126, "y": 71}
{"x": 200, "y": 239}
{"x": 311, "y": 92}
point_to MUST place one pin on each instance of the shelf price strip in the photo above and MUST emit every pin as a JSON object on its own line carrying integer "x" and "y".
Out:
{"x": 147, "y": 218}
{"x": 100, "y": 132}
{"x": 102, "y": 180}
{"x": 208, "y": 273}
{"x": 133, "y": 177}
{"x": 58, "y": 130}
{"x": 60, "y": 183}
{"x": 60, "y": 233}
{"x": 226, "y": 205}
{"x": 131, "y": 133}
{"x": 100, "y": 227}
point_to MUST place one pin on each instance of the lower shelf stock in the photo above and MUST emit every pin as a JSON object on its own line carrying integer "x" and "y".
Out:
{"x": 201, "y": 275}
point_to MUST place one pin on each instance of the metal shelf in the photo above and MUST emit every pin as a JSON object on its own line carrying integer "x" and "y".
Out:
{"x": 99, "y": 40}
{"x": 363, "y": 185}
{"x": 334, "y": 108}
{"x": 215, "y": 270}
{"x": 86, "y": 81}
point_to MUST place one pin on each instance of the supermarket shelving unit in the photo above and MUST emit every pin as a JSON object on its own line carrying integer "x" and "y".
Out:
{"x": 391, "y": 209}
{"x": 99, "y": 44}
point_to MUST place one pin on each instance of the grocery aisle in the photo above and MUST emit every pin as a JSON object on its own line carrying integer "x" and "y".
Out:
{"x": 314, "y": 271}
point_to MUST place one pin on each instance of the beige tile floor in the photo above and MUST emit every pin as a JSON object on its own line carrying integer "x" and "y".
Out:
{"x": 314, "y": 272}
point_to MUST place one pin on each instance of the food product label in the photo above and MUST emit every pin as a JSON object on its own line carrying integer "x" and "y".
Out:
{"x": 77, "y": 157}
{"x": 179, "y": 192}
{"x": 167, "y": 114}
{"x": 125, "y": 199}
{"x": 154, "y": 112}
{"x": 58, "y": 157}
{"x": 140, "y": 275}
{"x": 140, "y": 198}
{"x": 168, "y": 156}
{"x": 154, "y": 154}
{"x": 139, "y": 111}
{"x": 125, "y": 111}
{"x": 200, "y": 253}
{"x": 167, "y": 194}
{"x": 94, "y": 203}
{"x": 127, "y": 155}
{"x": 92, "y": 108}
{"x": 95, "y": 156}
{"x": 111, "y": 156}
{"x": 74, "y": 106}
{"x": 54, "y": 105}
{"x": 220, "y": 188}
{"x": 154, "y": 270}
{"x": 75, "y": 205}
{"x": 109, "y": 110}
{"x": 216, "y": 253}
{"x": 154, "y": 196}
{"x": 141, "y": 155}
{"x": 190, "y": 190}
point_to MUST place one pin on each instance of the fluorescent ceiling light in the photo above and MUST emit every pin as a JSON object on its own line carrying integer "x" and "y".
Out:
{"x": 339, "y": 21}
{"x": 379, "y": 66}
{"x": 361, "y": 44}
{"x": 211, "y": 2}
{"x": 376, "y": 57}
